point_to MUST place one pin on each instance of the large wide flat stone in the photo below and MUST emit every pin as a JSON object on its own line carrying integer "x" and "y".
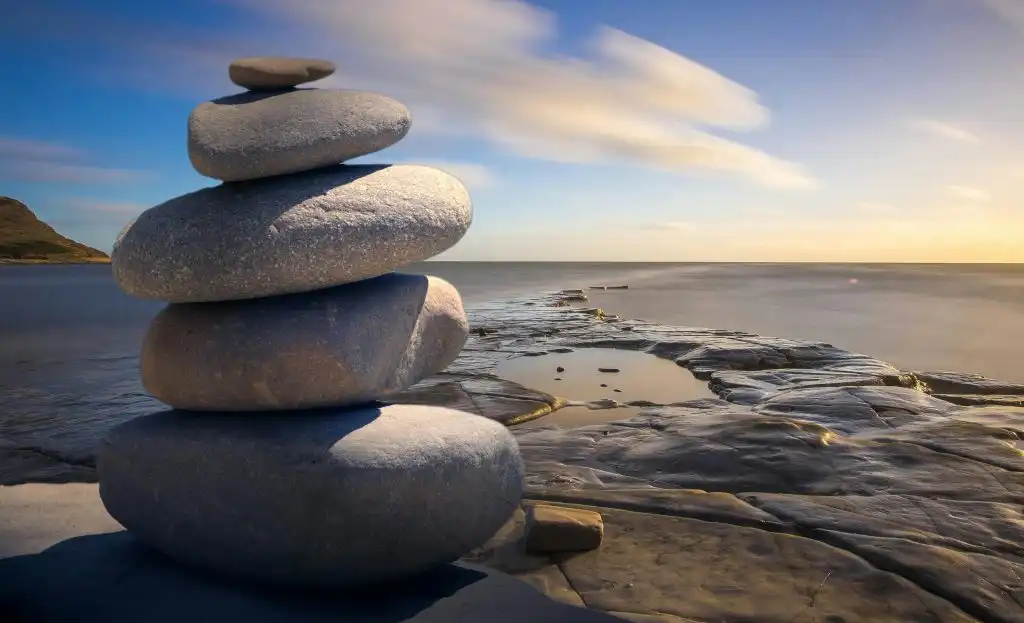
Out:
{"x": 290, "y": 234}
{"x": 254, "y": 135}
{"x": 653, "y": 567}
{"x": 322, "y": 499}
{"x": 337, "y": 347}
{"x": 259, "y": 73}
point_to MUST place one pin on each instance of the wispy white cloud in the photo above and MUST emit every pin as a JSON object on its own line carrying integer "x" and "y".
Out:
{"x": 29, "y": 160}
{"x": 946, "y": 130}
{"x": 665, "y": 227}
{"x": 876, "y": 207}
{"x": 1011, "y": 11}
{"x": 106, "y": 207}
{"x": 482, "y": 68}
{"x": 676, "y": 227}
{"x": 66, "y": 173}
{"x": 969, "y": 193}
{"x": 90, "y": 212}
{"x": 21, "y": 148}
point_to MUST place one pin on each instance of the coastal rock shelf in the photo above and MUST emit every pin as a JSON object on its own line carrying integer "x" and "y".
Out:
{"x": 818, "y": 485}
{"x": 821, "y": 485}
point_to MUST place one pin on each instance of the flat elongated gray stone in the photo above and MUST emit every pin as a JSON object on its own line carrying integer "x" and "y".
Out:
{"x": 337, "y": 347}
{"x": 324, "y": 498}
{"x": 290, "y": 234}
{"x": 277, "y": 72}
{"x": 254, "y": 135}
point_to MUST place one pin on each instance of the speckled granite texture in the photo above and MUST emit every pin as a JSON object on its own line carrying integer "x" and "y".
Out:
{"x": 290, "y": 234}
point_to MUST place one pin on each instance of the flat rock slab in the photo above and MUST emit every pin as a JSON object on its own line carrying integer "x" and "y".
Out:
{"x": 330, "y": 348}
{"x": 823, "y": 454}
{"x": 255, "y": 135}
{"x": 724, "y": 448}
{"x": 855, "y": 409}
{"x": 659, "y": 568}
{"x": 290, "y": 234}
{"x": 490, "y": 397}
{"x": 114, "y": 578}
{"x": 314, "y": 499}
{"x": 695, "y": 504}
{"x": 258, "y": 73}
{"x": 982, "y": 527}
{"x": 961, "y": 383}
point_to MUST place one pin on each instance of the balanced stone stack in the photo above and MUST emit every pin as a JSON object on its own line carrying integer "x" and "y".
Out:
{"x": 286, "y": 322}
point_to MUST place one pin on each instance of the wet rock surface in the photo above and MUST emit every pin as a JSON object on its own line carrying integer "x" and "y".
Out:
{"x": 821, "y": 485}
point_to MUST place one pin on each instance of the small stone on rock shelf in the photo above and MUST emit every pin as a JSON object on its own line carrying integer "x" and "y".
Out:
{"x": 617, "y": 391}
{"x": 561, "y": 529}
{"x": 604, "y": 385}
{"x": 258, "y": 73}
{"x": 558, "y": 379}
{"x": 608, "y": 370}
{"x": 559, "y": 369}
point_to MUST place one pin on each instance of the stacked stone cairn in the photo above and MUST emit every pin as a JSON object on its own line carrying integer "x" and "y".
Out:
{"x": 286, "y": 324}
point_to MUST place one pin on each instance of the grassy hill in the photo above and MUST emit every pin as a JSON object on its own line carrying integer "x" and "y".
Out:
{"x": 26, "y": 239}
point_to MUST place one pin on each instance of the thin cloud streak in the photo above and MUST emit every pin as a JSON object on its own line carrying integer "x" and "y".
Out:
{"x": 107, "y": 207}
{"x": 946, "y": 130}
{"x": 969, "y": 193}
{"x": 29, "y": 160}
{"x": 668, "y": 227}
{"x": 21, "y": 148}
{"x": 90, "y": 212}
{"x": 66, "y": 173}
{"x": 1010, "y": 11}
{"x": 876, "y": 207}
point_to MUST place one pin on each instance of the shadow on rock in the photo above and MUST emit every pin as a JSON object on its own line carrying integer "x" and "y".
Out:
{"x": 113, "y": 578}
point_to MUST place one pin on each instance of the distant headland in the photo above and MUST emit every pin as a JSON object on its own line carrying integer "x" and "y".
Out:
{"x": 24, "y": 239}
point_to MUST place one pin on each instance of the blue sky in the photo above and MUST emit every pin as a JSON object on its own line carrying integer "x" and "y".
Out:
{"x": 676, "y": 130}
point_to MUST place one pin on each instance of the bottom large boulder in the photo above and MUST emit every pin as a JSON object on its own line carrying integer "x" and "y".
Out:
{"x": 318, "y": 498}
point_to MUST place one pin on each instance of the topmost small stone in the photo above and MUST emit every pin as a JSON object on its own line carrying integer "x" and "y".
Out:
{"x": 264, "y": 73}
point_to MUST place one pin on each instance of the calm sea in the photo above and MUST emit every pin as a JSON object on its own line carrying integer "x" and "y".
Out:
{"x": 69, "y": 338}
